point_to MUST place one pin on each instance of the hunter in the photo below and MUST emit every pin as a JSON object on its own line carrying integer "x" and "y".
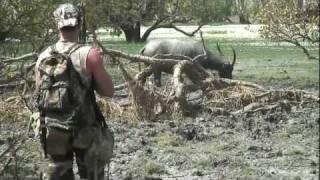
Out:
{"x": 76, "y": 130}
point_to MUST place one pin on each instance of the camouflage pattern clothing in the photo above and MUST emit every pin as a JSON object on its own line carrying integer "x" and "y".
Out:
{"x": 87, "y": 143}
{"x": 67, "y": 15}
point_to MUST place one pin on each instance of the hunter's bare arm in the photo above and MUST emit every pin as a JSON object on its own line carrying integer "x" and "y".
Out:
{"x": 95, "y": 67}
{"x": 37, "y": 78}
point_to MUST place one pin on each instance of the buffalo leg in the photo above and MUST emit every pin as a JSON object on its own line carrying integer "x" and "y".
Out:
{"x": 157, "y": 78}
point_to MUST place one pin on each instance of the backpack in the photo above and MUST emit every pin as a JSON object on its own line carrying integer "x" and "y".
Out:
{"x": 57, "y": 99}
{"x": 61, "y": 92}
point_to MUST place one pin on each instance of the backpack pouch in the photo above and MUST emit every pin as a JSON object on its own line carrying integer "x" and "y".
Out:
{"x": 58, "y": 99}
{"x": 101, "y": 149}
{"x": 58, "y": 141}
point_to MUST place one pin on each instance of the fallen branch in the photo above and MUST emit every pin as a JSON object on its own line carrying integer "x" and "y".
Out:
{"x": 12, "y": 84}
{"x": 223, "y": 83}
{"x": 179, "y": 86}
{"x": 5, "y": 166}
{"x": 120, "y": 86}
{"x": 4, "y": 57}
{"x": 200, "y": 68}
{"x": 219, "y": 95}
{"x": 248, "y": 108}
{"x": 135, "y": 58}
{"x": 259, "y": 107}
{"x": 146, "y": 104}
{"x": 13, "y": 149}
{"x": 30, "y": 56}
{"x": 5, "y": 151}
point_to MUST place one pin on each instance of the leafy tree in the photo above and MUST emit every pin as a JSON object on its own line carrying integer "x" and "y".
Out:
{"x": 129, "y": 15}
{"x": 26, "y": 21}
{"x": 286, "y": 21}
{"x": 31, "y": 21}
{"x": 247, "y": 10}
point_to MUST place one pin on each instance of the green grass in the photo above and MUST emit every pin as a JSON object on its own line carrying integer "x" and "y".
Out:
{"x": 146, "y": 166}
{"x": 165, "y": 140}
{"x": 263, "y": 62}
{"x": 266, "y": 63}
{"x": 132, "y": 48}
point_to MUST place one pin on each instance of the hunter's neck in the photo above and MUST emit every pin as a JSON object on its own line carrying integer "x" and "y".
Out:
{"x": 68, "y": 37}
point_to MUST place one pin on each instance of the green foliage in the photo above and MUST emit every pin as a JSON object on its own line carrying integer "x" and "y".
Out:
{"x": 27, "y": 21}
{"x": 130, "y": 14}
{"x": 151, "y": 167}
{"x": 147, "y": 166}
{"x": 205, "y": 11}
{"x": 247, "y": 9}
{"x": 165, "y": 140}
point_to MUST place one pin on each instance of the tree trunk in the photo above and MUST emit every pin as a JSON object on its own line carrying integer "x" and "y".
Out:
{"x": 301, "y": 5}
{"x": 244, "y": 19}
{"x": 132, "y": 32}
{"x": 304, "y": 49}
{"x": 83, "y": 28}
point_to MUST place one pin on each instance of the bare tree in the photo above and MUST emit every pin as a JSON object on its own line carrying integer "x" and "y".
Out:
{"x": 290, "y": 22}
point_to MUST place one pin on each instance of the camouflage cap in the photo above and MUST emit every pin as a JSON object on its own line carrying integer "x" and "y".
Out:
{"x": 66, "y": 15}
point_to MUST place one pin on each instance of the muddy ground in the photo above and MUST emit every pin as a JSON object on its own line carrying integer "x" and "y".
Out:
{"x": 279, "y": 144}
{"x": 282, "y": 144}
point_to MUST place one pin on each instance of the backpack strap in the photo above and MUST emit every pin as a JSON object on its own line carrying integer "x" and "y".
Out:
{"x": 70, "y": 50}
{"x": 98, "y": 114}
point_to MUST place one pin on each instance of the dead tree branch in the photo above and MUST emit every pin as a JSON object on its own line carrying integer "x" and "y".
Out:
{"x": 30, "y": 56}
{"x": 220, "y": 95}
{"x": 120, "y": 86}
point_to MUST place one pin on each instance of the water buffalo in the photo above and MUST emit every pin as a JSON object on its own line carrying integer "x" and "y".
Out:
{"x": 191, "y": 49}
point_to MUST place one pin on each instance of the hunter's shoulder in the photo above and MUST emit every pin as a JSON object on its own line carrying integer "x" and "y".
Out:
{"x": 83, "y": 49}
{"x": 45, "y": 53}
{"x": 85, "y": 46}
{"x": 94, "y": 54}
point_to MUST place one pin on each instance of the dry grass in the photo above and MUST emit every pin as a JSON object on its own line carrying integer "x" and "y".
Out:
{"x": 11, "y": 112}
{"x": 147, "y": 103}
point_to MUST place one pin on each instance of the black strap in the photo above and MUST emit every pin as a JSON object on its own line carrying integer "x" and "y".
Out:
{"x": 73, "y": 48}
{"x": 99, "y": 116}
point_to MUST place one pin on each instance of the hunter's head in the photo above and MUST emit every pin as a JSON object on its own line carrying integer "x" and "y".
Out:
{"x": 67, "y": 17}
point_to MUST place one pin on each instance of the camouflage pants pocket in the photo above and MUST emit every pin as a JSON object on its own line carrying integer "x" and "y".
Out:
{"x": 84, "y": 137}
{"x": 60, "y": 155}
{"x": 101, "y": 149}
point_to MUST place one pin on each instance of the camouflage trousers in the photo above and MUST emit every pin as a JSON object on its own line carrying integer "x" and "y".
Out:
{"x": 61, "y": 152}
{"x": 91, "y": 147}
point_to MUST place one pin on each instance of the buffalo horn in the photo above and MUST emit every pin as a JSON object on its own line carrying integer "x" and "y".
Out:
{"x": 234, "y": 56}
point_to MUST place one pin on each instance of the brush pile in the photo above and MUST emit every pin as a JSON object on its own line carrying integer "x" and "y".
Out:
{"x": 190, "y": 90}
